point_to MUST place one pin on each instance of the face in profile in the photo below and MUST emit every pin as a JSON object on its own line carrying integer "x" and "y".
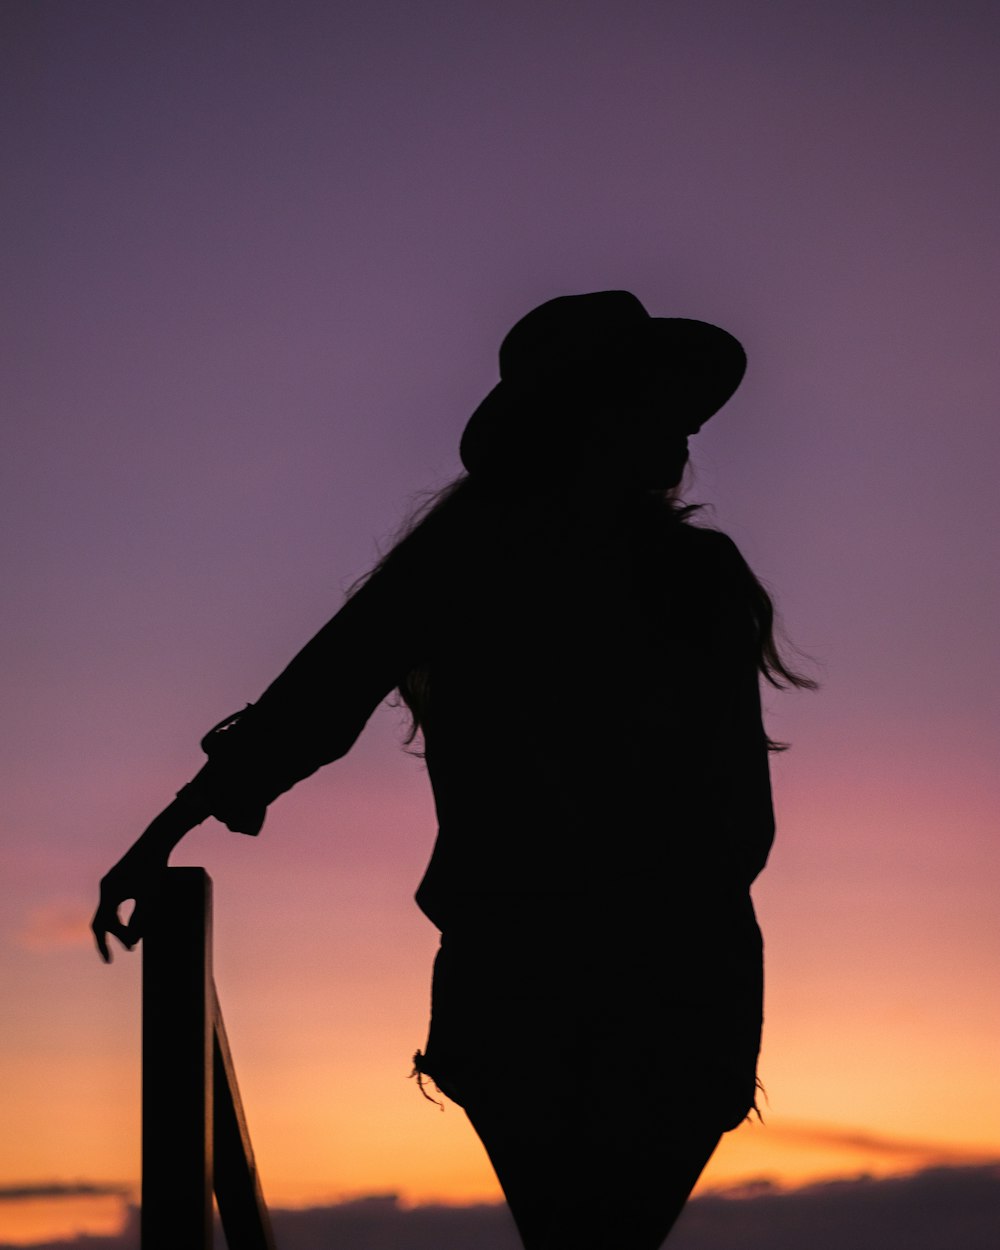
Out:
{"x": 646, "y": 444}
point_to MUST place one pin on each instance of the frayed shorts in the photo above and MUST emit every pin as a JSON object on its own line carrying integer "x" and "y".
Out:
{"x": 549, "y": 997}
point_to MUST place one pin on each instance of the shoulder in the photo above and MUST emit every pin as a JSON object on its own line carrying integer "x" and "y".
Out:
{"x": 707, "y": 561}
{"x": 435, "y": 529}
{"x": 697, "y": 542}
{"x": 712, "y": 545}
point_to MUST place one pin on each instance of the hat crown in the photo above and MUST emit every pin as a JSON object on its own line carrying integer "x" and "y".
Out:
{"x": 558, "y": 337}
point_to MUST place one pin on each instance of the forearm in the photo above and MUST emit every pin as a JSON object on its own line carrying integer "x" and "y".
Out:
{"x": 163, "y": 833}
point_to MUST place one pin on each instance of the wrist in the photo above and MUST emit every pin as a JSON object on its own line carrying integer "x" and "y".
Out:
{"x": 163, "y": 834}
{"x": 191, "y": 804}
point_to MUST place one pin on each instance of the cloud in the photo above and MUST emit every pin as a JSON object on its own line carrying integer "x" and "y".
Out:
{"x": 957, "y": 1206}
{"x": 920, "y": 1153}
{"x": 380, "y": 1223}
{"x": 59, "y": 925}
{"x": 61, "y": 1189}
{"x": 936, "y": 1207}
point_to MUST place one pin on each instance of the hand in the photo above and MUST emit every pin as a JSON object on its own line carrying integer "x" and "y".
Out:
{"x": 137, "y": 875}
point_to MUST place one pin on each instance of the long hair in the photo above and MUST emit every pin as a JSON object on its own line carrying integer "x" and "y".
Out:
{"x": 433, "y": 507}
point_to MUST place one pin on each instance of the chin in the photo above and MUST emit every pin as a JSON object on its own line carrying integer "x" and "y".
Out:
{"x": 667, "y": 478}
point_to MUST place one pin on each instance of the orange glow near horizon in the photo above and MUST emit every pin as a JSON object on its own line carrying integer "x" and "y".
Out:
{"x": 27, "y": 1221}
{"x": 325, "y": 1001}
{"x": 452, "y": 1170}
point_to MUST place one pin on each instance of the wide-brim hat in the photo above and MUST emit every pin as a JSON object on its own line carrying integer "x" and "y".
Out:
{"x": 579, "y": 355}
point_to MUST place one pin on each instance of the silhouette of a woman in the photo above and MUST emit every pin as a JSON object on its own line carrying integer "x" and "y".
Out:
{"x": 583, "y": 666}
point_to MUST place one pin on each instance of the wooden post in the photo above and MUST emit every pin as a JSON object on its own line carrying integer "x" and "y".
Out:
{"x": 178, "y": 1002}
{"x": 194, "y": 1132}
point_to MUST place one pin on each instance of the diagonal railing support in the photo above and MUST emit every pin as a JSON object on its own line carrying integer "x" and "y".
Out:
{"x": 242, "y": 1209}
{"x": 194, "y": 1133}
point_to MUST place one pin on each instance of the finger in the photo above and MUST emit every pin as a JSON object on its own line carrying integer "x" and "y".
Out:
{"x": 106, "y": 924}
{"x": 99, "y": 928}
{"x": 102, "y": 942}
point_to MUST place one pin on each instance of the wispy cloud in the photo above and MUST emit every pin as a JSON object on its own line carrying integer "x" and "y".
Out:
{"x": 917, "y": 1152}
{"x": 59, "y": 925}
{"x": 62, "y": 1189}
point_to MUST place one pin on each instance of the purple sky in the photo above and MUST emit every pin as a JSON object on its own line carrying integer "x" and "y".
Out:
{"x": 258, "y": 259}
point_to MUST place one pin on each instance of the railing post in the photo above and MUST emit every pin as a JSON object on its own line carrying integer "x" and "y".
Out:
{"x": 178, "y": 1006}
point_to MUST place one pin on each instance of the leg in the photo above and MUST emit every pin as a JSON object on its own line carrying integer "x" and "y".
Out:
{"x": 522, "y": 1021}
{"x": 581, "y": 1171}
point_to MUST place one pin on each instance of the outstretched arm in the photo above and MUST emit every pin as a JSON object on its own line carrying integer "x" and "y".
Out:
{"x": 309, "y": 716}
{"x": 259, "y": 753}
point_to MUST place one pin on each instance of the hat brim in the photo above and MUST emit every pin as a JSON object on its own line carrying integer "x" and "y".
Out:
{"x": 696, "y": 367}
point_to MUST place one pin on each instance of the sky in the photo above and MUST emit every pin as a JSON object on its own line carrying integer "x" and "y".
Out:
{"x": 257, "y": 261}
